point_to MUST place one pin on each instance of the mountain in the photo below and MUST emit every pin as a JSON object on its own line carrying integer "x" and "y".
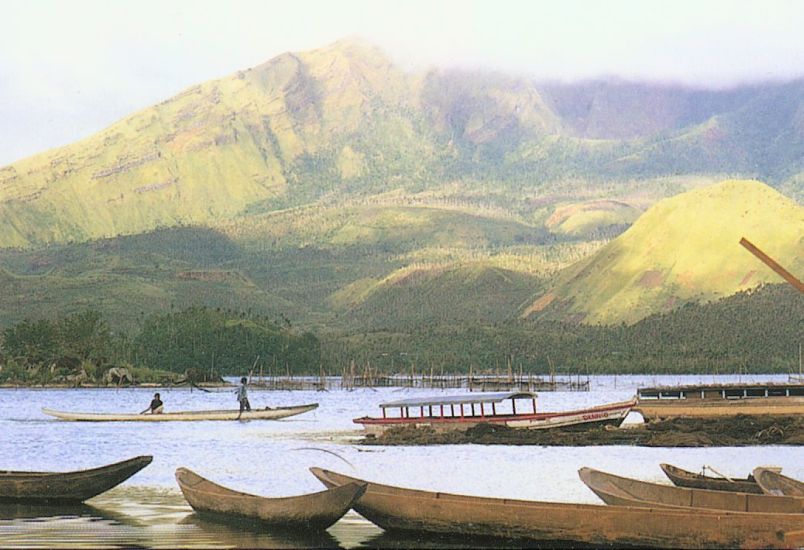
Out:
{"x": 684, "y": 248}
{"x": 343, "y": 122}
{"x": 336, "y": 189}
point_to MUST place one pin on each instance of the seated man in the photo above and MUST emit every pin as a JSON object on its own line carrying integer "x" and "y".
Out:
{"x": 155, "y": 407}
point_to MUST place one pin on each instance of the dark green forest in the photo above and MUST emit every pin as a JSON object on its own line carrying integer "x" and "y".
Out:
{"x": 752, "y": 332}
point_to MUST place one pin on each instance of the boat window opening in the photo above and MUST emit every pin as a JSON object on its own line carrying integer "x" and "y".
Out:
{"x": 648, "y": 394}
{"x": 733, "y": 394}
{"x": 796, "y": 391}
{"x": 777, "y": 392}
{"x": 756, "y": 392}
{"x": 670, "y": 395}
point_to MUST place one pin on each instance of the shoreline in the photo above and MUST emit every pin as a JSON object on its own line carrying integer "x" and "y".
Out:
{"x": 734, "y": 431}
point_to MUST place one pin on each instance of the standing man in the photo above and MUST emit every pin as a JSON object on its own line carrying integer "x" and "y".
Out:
{"x": 242, "y": 397}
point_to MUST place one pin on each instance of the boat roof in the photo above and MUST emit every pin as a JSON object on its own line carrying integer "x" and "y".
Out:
{"x": 725, "y": 386}
{"x": 460, "y": 399}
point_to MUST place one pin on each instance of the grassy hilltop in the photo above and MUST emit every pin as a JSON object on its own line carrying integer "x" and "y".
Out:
{"x": 682, "y": 249}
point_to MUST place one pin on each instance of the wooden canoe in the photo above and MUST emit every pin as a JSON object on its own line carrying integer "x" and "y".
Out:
{"x": 774, "y": 483}
{"x": 623, "y": 491}
{"x": 408, "y": 510}
{"x": 66, "y": 487}
{"x": 683, "y": 478}
{"x": 304, "y": 512}
{"x": 256, "y": 414}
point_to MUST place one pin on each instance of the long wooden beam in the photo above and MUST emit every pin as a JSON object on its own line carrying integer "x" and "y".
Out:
{"x": 767, "y": 260}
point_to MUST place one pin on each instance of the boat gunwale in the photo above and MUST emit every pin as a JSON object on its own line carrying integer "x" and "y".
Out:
{"x": 8, "y": 475}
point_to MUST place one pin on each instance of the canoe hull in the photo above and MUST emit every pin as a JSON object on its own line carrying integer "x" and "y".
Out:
{"x": 774, "y": 483}
{"x": 611, "y": 414}
{"x": 395, "y": 508}
{"x": 67, "y": 487}
{"x": 623, "y": 491}
{"x": 313, "y": 511}
{"x": 188, "y": 416}
{"x": 691, "y": 480}
{"x": 658, "y": 409}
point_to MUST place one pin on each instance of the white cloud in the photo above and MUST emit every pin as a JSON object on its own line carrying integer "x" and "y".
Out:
{"x": 69, "y": 68}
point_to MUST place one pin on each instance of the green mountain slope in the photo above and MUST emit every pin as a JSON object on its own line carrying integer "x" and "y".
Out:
{"x": 342, "y": 122}
{"x": 682, "y": 249}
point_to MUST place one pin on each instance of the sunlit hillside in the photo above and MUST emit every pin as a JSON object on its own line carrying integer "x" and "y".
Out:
{"x": 684, "y": 248}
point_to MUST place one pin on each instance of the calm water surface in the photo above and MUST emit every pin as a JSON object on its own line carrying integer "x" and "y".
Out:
{"x": 272, "y": 458}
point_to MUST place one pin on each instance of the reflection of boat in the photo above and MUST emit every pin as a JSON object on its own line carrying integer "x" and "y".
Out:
{"x": 774, "y": 483}
{"x": 683, "y": 478}
{"x": 305, "y": 512}
{"x": 395, "y": 508}
{"x": 221, "y": 530}
{"x": 623, "y": 491}
{"x": 261, "y": 414}
{"x": 720, "y": 400}
{"x": 75, "y": 486}
{"x": 464, "y": 411}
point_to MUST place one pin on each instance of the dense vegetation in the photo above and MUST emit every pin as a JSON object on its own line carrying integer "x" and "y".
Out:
{"x": 756, "y": 331}
{"x": 197, "y": 343}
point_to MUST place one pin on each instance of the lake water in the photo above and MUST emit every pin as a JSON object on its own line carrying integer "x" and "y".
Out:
{"x": 272, "y": 458}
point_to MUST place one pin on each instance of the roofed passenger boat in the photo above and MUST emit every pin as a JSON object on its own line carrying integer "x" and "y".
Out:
{"x": 774, "y": 483}
{"x": 512, "y": 409}
{"x": 623, "y": 491}
{"x": 66, "y": 487}
{"x": 315, "y": 511}
{"x": 407, "y": 510}
{"x": 186, "y": 416}
{"x": 684, "y": 478}
{"x": 712, "y": 400}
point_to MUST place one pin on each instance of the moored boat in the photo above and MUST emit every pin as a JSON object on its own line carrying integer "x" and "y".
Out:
{"x": 623, "y": 491}
{"x": 304, "y": 512}
{"x": 409, "y": 510}
{"x": 511, "y": 409}
{"x": 774, "y": 483}
{"x": 186, "y": 416}
{"x": 711, "y": 400}
{"x": 67, "y": 487}
{"x": 684, "y": 478}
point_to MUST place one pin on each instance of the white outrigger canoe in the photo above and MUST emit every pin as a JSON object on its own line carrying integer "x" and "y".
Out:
{"x": 255, "y": 414}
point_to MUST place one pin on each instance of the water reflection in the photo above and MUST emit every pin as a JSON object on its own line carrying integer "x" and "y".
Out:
{"x": 249, "y": 534}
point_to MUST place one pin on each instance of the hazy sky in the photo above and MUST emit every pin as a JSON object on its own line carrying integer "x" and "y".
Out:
{"x": 69, "y": 68}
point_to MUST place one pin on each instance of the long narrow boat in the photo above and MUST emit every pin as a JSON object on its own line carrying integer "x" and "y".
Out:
{"x": 305, "y": 512}
{"x": 684, "y": 478}
{"x": 623, "y": 491}
{"x": 512, "y": 409}
{"x": 67, "y": 487}
{"x": 408, "y": 510}
{"x": 774, "y": 483}
{"x": 711, "y": 400}
{"x": 256, "y": 414}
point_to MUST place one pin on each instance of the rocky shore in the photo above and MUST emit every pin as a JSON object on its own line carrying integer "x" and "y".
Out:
{"x": 736, "y": 431}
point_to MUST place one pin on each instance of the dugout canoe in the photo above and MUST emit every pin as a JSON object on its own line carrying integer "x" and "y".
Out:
{"x": 684, "y": 478}
{"x": 67, "y": 487}
{"x": 415, "y": 511}
{"x": 623, "y": 491}
{"x": 254, "y": 414}
{"x": 305, "y": 512}
{"x": 774, "y": 483}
